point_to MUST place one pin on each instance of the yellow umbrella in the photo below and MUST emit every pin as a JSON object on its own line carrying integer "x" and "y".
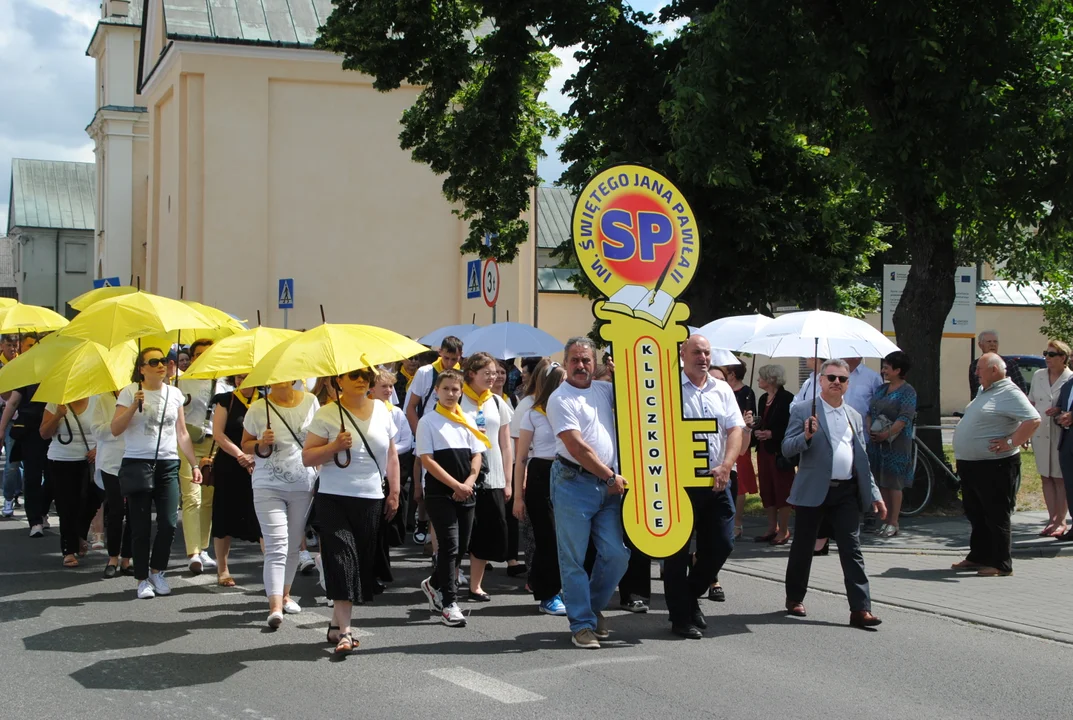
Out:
{"x": 86, "y": 370}
{"x": 21, "y": 318}
{"x": 223, "y": 326}
{"x": 6, "y": 302}
{"x": 95, "y": 295}
{"x": 34, "y": 364}
{"x": 133, "y": 316}
{"x": 238, "y": 354}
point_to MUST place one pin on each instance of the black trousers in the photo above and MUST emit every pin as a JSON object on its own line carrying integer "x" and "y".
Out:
{"x": 513, "y": 531}
{"x": 349, "y": 527}
{"x": 35, "y": 477}
{"x": 76, "y": 501}
{"x": 713, "y": 526}
{"x": 116, "y": 518}
{"x": 637, "y": 582}
{"x": 453, "y": 523}
{"x": 164, "y": 498}
{"x": 842, "y": 508}
{"x": 989, "y": 496}
{"x": 544, "y": 578}
{"x": 396, "y": 529}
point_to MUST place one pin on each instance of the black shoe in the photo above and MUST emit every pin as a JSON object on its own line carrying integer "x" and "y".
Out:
{"x": 1065, "y": 537}
{"x": 689, "y": 632}
{"x": 698, "y": 619}
{"x": 127, "y": 571}
{"x": 716, "y": 594}
{"x": 110, "y": 571}
{"x": 479, "y": 597}
{"x": 517, "y": 570}
{"x": 824, "y": 550}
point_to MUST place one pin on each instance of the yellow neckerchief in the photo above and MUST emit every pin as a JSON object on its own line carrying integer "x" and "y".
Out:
{"x": 438, "y": 366}
{"x": 457, "y": 417}
{"x": 408, "y": 376}
{"x": 388, "y": 404}
{"x": 505, "y": 396}
{"x": 242, "y": 398}
{"x": 472, "y": 395}
{"x": 541, "y": 410}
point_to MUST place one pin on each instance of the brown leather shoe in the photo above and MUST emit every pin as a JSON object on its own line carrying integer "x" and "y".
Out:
{"x": 993, "y": 572}
{"x": 965, "y": 565}
{"x": 863, "y": 619}
{"x": 795, "y": 608}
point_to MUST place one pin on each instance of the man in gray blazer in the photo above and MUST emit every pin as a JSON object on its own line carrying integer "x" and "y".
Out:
{"x": 833, "y": 480}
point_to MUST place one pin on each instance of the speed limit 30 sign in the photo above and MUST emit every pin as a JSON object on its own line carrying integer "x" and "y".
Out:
{"x": 490, "y": 283}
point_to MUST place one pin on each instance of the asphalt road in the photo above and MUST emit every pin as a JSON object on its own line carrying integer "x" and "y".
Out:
{"x": 76, "y": 646}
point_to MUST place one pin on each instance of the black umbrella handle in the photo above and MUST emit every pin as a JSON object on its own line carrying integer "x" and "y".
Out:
{"x": 268, "y": 426}
{"x": 257, "y": 451}
{"x": 342, "y": 425}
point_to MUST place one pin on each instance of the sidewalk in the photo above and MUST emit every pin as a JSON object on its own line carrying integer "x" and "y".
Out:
{"x": 913, "y": 571}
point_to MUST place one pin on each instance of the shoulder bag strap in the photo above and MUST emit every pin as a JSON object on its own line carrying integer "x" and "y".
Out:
{"x": 287, "y": 425}
{"x": 363, "y": 440}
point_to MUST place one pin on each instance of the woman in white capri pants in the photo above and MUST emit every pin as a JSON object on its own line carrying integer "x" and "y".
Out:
{"x": 282, "y": 486}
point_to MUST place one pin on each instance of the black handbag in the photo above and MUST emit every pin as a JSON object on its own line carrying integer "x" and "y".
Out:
{"x": 139, "y": 477}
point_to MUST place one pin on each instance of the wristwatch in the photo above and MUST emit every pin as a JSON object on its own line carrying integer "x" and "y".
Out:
{"x": 610, "y": 482}
{"x": 1009, "y": 442}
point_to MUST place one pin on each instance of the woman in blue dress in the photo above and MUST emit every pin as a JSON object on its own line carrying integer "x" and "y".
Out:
{"x": 890, "y": 419}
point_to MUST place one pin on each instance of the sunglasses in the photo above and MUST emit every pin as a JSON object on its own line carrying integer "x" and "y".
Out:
{"x": 354, "y": 375}
{"x": 154, "y": 362}
{"x": 1052, "y": 353}
{"x": 837, "y": 378}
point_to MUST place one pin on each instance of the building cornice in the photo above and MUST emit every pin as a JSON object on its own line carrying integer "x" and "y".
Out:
{"x": 134, "y": 115}
{"x": 90, "y": 51}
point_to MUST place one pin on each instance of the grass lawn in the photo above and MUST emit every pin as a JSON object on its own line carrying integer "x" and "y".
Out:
{"x": 1029, "y": 497}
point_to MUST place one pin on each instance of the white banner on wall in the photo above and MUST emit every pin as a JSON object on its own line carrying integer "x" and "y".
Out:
{"x": 960, "y": 322}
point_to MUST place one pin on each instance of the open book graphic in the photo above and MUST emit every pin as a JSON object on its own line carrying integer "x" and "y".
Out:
{"x": 638, "y": 301}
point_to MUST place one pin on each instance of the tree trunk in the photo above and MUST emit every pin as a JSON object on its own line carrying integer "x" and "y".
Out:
{"x": 920, "y": 318}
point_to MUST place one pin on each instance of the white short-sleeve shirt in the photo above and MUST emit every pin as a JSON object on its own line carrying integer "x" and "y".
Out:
{"x": 201, "y": 393}
{"x": 364, "y": 476}
{"x": 419, "y": 387}
{"x": 715, "y": 401}
{"x": 141, "y": 435}
{"x": 496, "y": 413}
{"x": 109, "y": 447}
{"x": 283, "y": 469}
{"x": 78, "y": 431}
{"x": 519, "y": 414}
{"x": 404, "y": 437}
{"x": 591, "y": 412}
{"x": 543, "y": 444}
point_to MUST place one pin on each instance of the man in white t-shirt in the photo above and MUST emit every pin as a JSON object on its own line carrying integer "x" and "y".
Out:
{"x": 713, "y": 510}
{"x": 420, "y": 399}
{"x": 586, "y": 493}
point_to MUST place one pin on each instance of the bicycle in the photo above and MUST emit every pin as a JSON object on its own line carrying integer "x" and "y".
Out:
{"x": 917, "y": 497}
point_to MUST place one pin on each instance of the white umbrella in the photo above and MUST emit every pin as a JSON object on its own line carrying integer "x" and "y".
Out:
{"x": 730, "y": 333}
{"x": 723, "y": 358}
{"x": 818, "y": 333}
{"x": 434, "y": 338}
{"x": 508, "y": 340}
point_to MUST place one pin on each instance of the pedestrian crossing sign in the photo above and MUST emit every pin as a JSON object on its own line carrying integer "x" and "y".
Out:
{"x": 473, "y": 279}
{"x": 286, "y": 294}
{"x": 107, "y": 282}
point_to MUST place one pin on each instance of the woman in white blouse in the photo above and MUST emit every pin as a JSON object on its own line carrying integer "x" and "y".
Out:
{"x": 491, "y": 415}
{"x": 352, "y": 440}
{"x": 282, "y": 486}
{"x": 109, "y": 458}
{"x": 1043, "y": 393}
{"x": 72, "y": 450}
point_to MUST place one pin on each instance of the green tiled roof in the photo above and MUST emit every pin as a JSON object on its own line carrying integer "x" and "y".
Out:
{"x": 554, "y": 206}
{"x": 269, "y": 22}
{"x": 555, "y": 280}
{"x": 1004, "y": 292}
{"x": 50, "y": 194}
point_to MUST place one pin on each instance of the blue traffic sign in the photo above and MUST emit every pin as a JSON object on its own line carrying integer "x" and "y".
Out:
{"x": 473, "y": 279}
{"x": 107, "y": 282}
{"x": 286, "y": 294}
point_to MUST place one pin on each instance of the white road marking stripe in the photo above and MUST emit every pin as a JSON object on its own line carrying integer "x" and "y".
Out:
{"x": 588, "y": 663}
{"x": 485, "y": 685}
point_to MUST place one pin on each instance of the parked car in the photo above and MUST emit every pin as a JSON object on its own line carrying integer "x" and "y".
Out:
{"x": 1029, "y": 364}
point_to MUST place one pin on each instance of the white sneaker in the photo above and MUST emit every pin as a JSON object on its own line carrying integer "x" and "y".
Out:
{"x": 291, "y": 607}
{"x": 145, "y": 590}
{"x": 462, "y": 580}
{"x": 9, "y": 508}
{"x": 435, "y": 599}
{"x": 207, "y": 562}
{"x": 275, "y": 620}
{"x": 452, "y": 616}
{"x": 37, "y": 531}
{"x": 319, "y": 564}
{"x": 196, "y": 566}
{"x": 311, "y": 540}
{"x": 160, "y": 585}
{"x": 305, "y": 561}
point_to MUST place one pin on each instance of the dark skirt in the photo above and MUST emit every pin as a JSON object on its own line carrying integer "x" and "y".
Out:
{"x": 349, "y": 528}
{"x": 489, "y": 538}
{"x": 233, "y": 514}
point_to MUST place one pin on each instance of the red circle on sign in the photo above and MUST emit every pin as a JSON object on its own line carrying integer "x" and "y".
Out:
{"x": 490, "y": 283}
{"x": 635, "y": 269}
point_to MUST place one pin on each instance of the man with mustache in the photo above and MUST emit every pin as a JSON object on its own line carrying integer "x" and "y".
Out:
{"x": 586, "y": 493}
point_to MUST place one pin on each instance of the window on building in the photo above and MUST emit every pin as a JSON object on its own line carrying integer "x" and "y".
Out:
{"x": 75, "y": 257}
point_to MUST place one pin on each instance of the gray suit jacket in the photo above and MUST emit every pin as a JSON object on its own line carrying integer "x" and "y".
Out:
{"x": 814, "y": 468}
{"x": 1065, "y": 445}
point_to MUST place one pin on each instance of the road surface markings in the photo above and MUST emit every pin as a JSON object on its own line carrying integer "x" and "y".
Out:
{"x": 589, "y": 663}
{"x": 485, "y": 685}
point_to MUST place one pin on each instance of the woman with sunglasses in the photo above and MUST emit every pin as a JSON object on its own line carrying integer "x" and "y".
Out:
{"x": 233, "y": 513}
{"x": 274, "y": 431}
{"x": 451, "y": 449}
{"x": 109, "y": 459}
{"x": 352, "y": 440}
{"x": 70, "y": 455}
{"x": 491, "y": 415}
{"x": 151, "y": 420}
{"x": 1043, "y": 392}
{"x": 532, "y": 492}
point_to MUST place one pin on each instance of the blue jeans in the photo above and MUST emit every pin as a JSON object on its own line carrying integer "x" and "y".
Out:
{"x": 12, "y": 470}
{"x": 584, "y": 507}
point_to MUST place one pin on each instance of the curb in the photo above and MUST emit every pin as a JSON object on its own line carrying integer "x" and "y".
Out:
{"x": 939, "y": 610}
{"x": 1041, "y": 551}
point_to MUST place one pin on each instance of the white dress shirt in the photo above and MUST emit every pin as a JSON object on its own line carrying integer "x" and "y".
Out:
{"x": 841, "y": 438}
{"x": 714, "y": 400}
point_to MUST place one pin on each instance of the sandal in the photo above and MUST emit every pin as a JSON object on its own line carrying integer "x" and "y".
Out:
{"x": 226, "y": 581}
{"x": 328, "y": 636}
{"x": 766, "y": 538}
{"x": 888, "y": 531}
{"x": 776, "y": 541}
{"x": 70, "y": 561}
{"x": 737, "y": 531}
{"x": 347, "y": 644}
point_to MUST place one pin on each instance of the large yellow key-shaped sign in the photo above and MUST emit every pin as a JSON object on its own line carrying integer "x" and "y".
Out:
{"x": 636, "y": 239}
